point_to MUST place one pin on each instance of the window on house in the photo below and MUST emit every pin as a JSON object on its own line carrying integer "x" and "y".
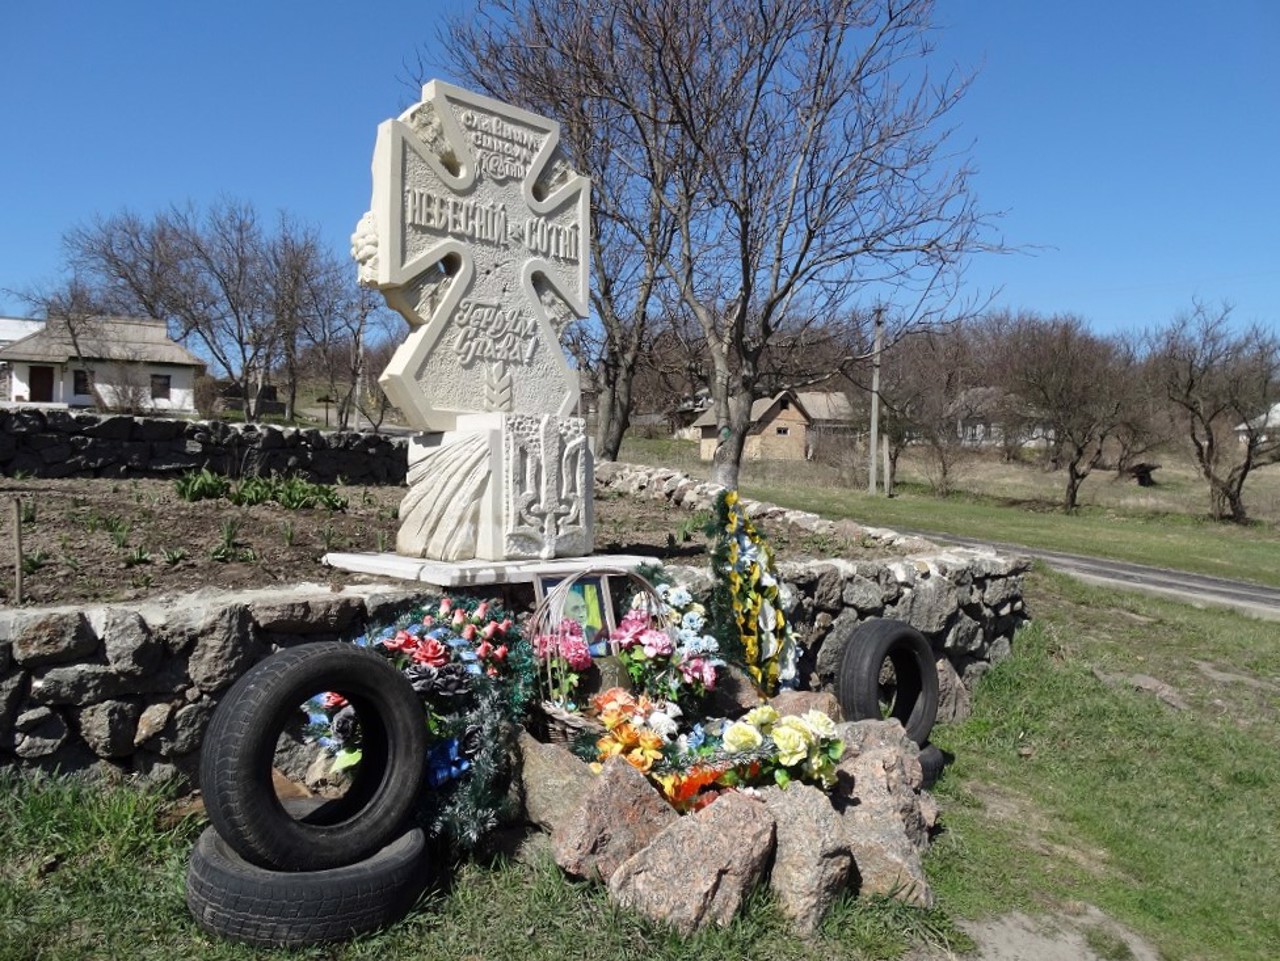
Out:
{"x": 80, "y": 383}
{"x": 160, "y": 386}
{"x": 783, "y": 431}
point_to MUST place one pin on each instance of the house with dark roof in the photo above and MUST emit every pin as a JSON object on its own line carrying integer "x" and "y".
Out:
{"x": 120, "y": 363}
{"x": 783, "y": 427}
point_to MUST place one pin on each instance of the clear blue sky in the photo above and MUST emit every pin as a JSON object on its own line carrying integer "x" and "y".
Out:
{"x": 1133, "y": 145}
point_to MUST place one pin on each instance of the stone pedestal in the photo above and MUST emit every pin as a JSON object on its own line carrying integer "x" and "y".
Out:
{"x": 500, "y": 487}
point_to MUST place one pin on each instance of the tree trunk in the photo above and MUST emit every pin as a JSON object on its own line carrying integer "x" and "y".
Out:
{"x": 1226, "y": 500}
{"x": 727, "y": 462}
{"x": 614, "y": 413}
{"x": 1074, "y": 478}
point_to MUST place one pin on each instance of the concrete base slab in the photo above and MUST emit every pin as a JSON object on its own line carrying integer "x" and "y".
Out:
{"x": 477, "y": 572}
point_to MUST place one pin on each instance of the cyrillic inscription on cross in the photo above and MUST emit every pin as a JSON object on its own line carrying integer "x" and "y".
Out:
{"x": 477, "y": 236}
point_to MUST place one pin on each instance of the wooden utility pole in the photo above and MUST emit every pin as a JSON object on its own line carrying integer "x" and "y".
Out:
{"x": 873, "y": 448}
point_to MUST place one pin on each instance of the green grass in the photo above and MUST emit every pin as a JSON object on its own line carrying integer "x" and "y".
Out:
{"x": 1017, "y": 504}
{"x": 1063, "y": 790}
{"x": 91, "y": 873}
{"x": 1169, "y": 540}
{"x": 1066, "y": 789}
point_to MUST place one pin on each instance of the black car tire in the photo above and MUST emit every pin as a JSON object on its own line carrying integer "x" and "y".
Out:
{"x": 932, "y": 761}
{"x": 914, "y": 700}
{"x": 239, "y": 746}
{"x": 242, "y": 902}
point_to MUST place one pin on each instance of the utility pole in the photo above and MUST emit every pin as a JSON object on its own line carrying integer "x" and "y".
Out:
{"x": 873, "y": 448}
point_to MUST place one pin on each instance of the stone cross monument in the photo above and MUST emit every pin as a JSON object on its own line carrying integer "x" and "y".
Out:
{"x": 478, "y": 236}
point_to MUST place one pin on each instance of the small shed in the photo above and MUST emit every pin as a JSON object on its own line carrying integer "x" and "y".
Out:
{"x": 779, "y": 430}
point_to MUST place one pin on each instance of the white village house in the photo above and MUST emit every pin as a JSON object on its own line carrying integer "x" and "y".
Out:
{"x": 130, "y": 360}
{"x": 1266, "y": 425}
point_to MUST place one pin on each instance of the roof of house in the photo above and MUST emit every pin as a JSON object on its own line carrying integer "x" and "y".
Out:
{"x": 826, "y": 404}
{"x": 759, "y": 409}
{"x": 126, "y": 339}
{"x": 1264, "y": 421}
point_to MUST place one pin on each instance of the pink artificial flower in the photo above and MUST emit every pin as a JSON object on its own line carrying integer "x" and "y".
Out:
{"x": 432, "y": 652}
{"x": 545, "y": 646}
{"x": 484, "y": 650}
{"x": 482, "y": 610}
{"x": 656, "y": 643}
{"x": 699, "y": 670}
{"x": 333, "y": 700}
{"x": 633, "y": 624}
{"x": 505, "y": 625}
{"x": 500, "y": 654}
{"x": 575, "y": 651}
{"x": 428, "y": 621}
{"x": 446, "y": 605}
{"x": 469, "y": 632}
{"x": 490, "y": 630}
{"x": 459, "y": 618}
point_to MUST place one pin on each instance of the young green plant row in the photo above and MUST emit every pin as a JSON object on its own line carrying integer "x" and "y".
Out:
{"x": 291, "y": 493}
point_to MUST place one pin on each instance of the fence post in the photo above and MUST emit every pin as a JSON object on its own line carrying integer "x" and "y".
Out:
{"x": 17, "y": 550}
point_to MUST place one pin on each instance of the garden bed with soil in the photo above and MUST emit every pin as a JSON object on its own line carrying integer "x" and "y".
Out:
{"x": 106, "y": 541}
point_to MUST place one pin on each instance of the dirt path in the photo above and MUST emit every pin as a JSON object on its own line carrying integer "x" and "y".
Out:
{"x": 1085, "y": 935}
{"x": 1201, "y": 590}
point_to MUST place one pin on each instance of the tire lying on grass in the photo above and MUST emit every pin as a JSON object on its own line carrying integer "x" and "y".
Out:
{"x": 865, "y": 689}
{"x": 239, "y": 746}
{"x": 932, "y": 762}
{"x": 240, "y": 901}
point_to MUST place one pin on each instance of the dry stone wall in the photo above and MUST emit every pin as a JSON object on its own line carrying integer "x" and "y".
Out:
{"x": 129, "y": 690}
{"x": 967, "y": 602}
{"x": 63, "y": 443}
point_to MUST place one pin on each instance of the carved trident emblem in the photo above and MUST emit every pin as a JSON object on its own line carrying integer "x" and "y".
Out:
{"x": 478, "y": 236}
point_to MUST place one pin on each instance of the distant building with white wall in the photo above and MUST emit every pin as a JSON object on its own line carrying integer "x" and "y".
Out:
{"x": 130, "y": 362}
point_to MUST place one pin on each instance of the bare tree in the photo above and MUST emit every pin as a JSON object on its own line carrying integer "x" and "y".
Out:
{"x": 574, "y": 61}
{"x": 810, "y": 169}
{"x": 75, "y": 310}
{"x": 783, "y": 148}
{"x": 369, "y": 398}
{"x": 204, "y": 273}
{"x": 926, "y": 391}
{"x": 343, "y": 328}
{"x": 1225, "y": 384}
{"x": 1146, "y": 425}
{"x": 1078, "y": 385}
{"x": 291, "y": 261}
{"x": 1013, "y": 421}
{"x": 249, "y": 299}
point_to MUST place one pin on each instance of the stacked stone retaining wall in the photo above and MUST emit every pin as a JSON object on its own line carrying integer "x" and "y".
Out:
{"x": 116, "y": 689}
{"x": 967, "y": 602}
{"x": 64, "y": 443}
{"x": 130, "y": 689}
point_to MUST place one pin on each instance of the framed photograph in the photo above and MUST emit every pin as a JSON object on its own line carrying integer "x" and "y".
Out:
{"x": 588, "y": 603}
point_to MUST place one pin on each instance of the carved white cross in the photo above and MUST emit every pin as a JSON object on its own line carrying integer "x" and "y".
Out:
{"x": 478, "y": 236}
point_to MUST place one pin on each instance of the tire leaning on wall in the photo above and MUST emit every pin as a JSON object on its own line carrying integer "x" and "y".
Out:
{"x": 242, "y": 902}
{"x": 858, "y": 689}
{"x": 239, "y": 748}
